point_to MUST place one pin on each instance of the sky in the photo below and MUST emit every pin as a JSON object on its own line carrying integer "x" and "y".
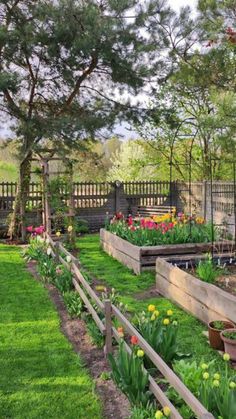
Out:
{"x": 122, "y": 130}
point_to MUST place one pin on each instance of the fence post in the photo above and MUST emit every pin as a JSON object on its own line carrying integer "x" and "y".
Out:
{"x": 108, "y": 325}
{"x": 117, "y": 186}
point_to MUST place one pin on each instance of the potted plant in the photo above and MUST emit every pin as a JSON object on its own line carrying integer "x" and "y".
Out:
{"x": 228, "y": 336}
{"x": 215, "y": 327}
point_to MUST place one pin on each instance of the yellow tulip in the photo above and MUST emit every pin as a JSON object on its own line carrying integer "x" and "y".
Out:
{"x": 166, "y": 322}
{"x": 216, "y": 383}
{"x": 153, "y": 317}
{"x": 156, "y": 313}
{"x": 204, "y": 366}
{"x": 226, "y": 357}
{"x": 206, "y": 375}
{"x": 166, "y": 411}
{"x": 232, "y": 385}
{"x": 140, "y": 353}
{"x": 69, "y": 229}
{"x": 158, "y": 414}
{"x": 151, "y": 308}
{"x": 169, "y": 313}
{"x": 216, "y": 376}
{"x": 58, "y": 233}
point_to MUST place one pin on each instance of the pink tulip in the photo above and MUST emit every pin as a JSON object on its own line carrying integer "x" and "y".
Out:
{"x": 30, "y": 229}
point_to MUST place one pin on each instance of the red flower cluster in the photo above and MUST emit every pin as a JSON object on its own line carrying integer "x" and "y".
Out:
{"x": 35, "y": 231}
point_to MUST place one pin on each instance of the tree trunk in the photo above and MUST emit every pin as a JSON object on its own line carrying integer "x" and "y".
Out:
{"x": 17, "y": 227}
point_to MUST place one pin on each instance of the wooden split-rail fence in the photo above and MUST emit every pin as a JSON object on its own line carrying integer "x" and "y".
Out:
{"x": 107, "y": 329}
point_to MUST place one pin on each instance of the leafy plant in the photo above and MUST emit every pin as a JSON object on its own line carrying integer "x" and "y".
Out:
{"x": 218, "y": 325}
{"x": 81, "y": 226}
{"x": 73, "y": 303}
{"x": 129, "y": 375}
{"x": 46, "y": 268}
{"x": 230, "y": 335}
{"x": 37, "y": 246}
{"x": 95, "y": 334}
{"x": 160, "y": 332}
{"x": 207, "y": 270}
{"x": 63, "y": 279}
{"x": 140, "y": 412}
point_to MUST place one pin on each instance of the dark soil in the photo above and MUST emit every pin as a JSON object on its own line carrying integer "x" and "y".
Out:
{"x": 226, "y": 281}
{"x": 115, "y": 404}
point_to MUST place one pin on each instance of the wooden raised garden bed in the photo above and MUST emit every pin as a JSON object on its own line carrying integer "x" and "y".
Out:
{"x": 140, "y": 258}
{"x": 205, "y": 301}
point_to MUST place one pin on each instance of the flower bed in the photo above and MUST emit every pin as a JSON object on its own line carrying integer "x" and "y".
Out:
{"x": 205, "y": 301}
{"x": 162, "y": 230}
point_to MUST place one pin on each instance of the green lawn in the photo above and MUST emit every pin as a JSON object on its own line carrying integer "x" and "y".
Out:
{"x": 113, "y": 273}
{"x": 40, "y": 375}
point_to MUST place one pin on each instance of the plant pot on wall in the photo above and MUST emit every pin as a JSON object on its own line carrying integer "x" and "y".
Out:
{"x": 228, "y": 336}
{"x": 214, "y": 330}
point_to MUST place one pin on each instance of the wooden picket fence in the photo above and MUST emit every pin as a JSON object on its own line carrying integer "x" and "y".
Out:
{"x": 106, "y": 328}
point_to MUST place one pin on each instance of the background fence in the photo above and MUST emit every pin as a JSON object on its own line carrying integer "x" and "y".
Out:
{"x": 93, "y": 201}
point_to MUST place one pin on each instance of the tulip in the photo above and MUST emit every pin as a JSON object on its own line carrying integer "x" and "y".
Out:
{"x": 205, "y": 375}
{"x": 134, "y": 340}
{"x": 226, "y": 357}
{"x": 169, "y": 313}
{"x": 140, "y": 353}
{"x": 166, "y": 411}
{"x": 70, "y": 229}
{"x": 204, "y": 366}
{"x": 151, "y": 308}
{"x": 166, "y": 322}
{"x": 232, "y": 385}
{"x": 216, "y": 376}
{"x": 216, "y": 383}
{"x": 68, "y": 259}
{"x": 58, "y": 233}
{"x": 158, "y": 414}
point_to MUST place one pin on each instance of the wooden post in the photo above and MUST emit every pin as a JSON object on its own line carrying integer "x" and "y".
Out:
{"x": 117, "y": 186}
{"x": 108, "y": 325}
{"x": 204, "y": 199}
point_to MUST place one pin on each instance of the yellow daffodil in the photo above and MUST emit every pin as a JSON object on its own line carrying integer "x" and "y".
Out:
{"x": 166, "y": 322}
{"x": 205, "y": 375}
{"x": 204, "y": 366}
{"x": 232, "y": 385}
{"x": 226, "y": 357}
{"x": 166, "y": 411}
{"x": 216, "y": 383}
{"x": 216, "y": 376}
{"x": 140, "y": 353}
{"x": 151, "y": 308}
{"x": 158, "y": 414}
{"x": 169, "y": 313}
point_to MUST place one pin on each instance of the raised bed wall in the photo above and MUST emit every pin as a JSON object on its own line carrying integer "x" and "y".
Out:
{"x": 205, "y": 301}
{"x": 144, "y": 257}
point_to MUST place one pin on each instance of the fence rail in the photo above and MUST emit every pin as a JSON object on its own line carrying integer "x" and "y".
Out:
{"x": 88, "y": 296}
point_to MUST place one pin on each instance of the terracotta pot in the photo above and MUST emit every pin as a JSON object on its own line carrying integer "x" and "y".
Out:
{"x": 214, "y": 334}
{"x": 230, "y": 344}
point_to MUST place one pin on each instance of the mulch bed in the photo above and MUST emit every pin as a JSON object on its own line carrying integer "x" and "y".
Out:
{"x": 115, "y": 404}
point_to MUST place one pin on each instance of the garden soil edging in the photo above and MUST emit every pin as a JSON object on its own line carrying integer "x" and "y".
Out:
{"x": 205, "y": 301}
{"x": 115, "y": 404}
{"x": 141, "y": 258}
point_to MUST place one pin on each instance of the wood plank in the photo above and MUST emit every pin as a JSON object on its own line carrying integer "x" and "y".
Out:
{"x": 85, "y": 284}
{"x": 90, "y": 308}
{"x": 120, "y": 244}
{"x": 183, "y": 248}
{"x": 122, "y": 257}
{"x": 171, "y": 377}
{"x": 209, "y": 295}
{"x": 186, "y": 301}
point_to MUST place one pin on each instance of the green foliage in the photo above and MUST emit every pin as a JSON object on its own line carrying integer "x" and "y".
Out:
{"x": 219, "y": 325}
{"x": 73, "y": 303}
{"x": 155, "y": 235}
{"x": 217, "y": 392}
{"x": 129, "y": 375}
{"x": 81, "y": 226}
{"x": 207, "y": 271}
{"x": 147, "y": 412}
{"x": 38, "y": 368}
{"x": 161, "y": 337}
{"x": 230, "y": 335}
{"x": 94, "y": 332}
{"x": 62, "y": 279}
{"x": 36, "y": 249}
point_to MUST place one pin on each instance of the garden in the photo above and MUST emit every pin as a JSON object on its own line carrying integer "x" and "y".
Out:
{"x": 117, "y": 209}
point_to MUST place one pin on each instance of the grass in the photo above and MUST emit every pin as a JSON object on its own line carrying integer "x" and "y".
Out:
{"x": 114, "y": 274}
{"x": 40, "y": 375}
{"x": 8, "y": 172}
